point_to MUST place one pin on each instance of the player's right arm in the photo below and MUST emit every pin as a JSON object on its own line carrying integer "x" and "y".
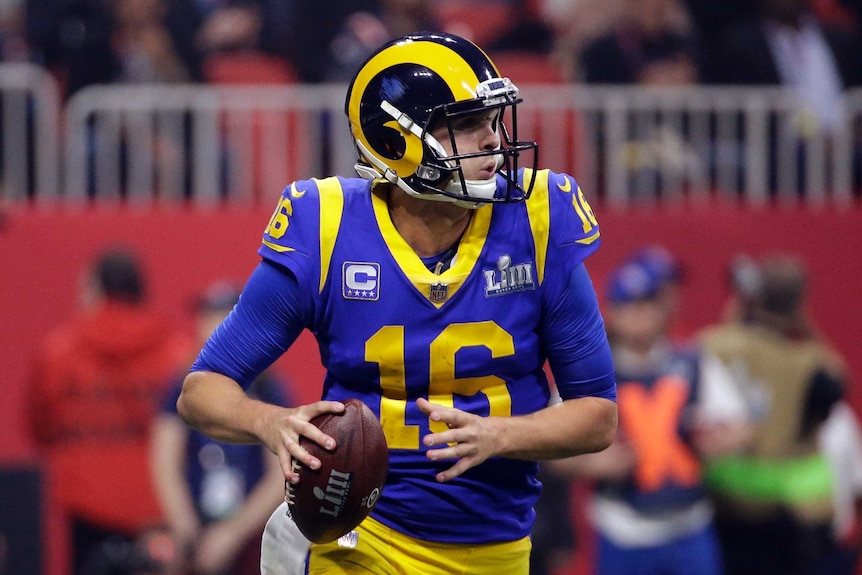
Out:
{"x": 272, "y": 311}
{"x": 262, "y": 325}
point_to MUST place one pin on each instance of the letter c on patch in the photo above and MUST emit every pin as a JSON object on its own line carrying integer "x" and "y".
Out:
{"x": 361, "y": 277}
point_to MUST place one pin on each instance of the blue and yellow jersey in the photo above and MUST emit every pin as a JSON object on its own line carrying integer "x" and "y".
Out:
{"x": 391, "y": 331}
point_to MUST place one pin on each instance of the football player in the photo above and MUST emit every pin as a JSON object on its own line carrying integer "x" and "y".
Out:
{"x": 438, "y": 284}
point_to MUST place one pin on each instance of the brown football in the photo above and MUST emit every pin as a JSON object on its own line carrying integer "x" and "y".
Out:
{"x": 329, "y": 502}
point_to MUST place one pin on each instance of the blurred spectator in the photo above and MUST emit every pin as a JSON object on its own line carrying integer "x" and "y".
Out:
{"x": 92, "y": 403}
{"x": 72, "y": 39}
{"x": 13, "y": 43}
{"x": 216, "y": 497}
{"x": 527, "y": 47}
{"x": 840, "y": 438}
{"x": 364, "y": 31}
{"x": 231, "y": 27}
{"x": 85, "y": 42}
{"x": 775, "y": 502}
{"x": 315, "y": 26}
{"x": 653, "y": 42}
{"x": 143, "y": 44}
{"x": 783, "y": 44}
{"x": 528, "y": 31}
{"x": 577, "y": 23}
{"x": 712, "y": 19}
{"x": 678, "y": 406}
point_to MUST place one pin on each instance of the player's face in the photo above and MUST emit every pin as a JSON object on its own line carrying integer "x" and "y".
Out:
{"x": 473, "y": 133}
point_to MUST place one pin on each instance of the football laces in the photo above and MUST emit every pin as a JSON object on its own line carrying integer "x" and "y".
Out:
{"x": 289, "y": 494}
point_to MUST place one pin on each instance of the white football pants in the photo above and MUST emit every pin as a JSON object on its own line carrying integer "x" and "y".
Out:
{"x": 283, "y": 549}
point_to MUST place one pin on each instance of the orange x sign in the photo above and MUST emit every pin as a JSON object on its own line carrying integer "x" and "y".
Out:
{"x": 650, "y": 419}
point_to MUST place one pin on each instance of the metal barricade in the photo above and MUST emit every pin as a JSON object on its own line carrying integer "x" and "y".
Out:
{"x": 201, "y": 143}
{"x": 29, "y": 134}
{"x": 636, "y": 145}
{"x": 626, "y": 146}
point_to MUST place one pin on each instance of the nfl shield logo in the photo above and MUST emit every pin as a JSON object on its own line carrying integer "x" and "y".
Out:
{"x": 439, "y": 292}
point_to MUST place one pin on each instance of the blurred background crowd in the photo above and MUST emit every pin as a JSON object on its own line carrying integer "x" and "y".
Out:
{"x": 769, "y": 42}
{"x": 738, "y": 325}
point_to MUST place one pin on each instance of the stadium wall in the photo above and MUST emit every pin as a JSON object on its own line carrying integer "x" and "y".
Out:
{"x": 42, "y": 255}
{"x": 43, "y": 252}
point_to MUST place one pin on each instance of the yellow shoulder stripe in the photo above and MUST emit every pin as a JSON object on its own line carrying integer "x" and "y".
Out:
{"x": 331, "y": 211}
{"x": 539, "y": 215}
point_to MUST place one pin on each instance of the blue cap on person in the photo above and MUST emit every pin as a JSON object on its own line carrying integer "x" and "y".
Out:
{"x": 633, "y": 281}
{"x": 660, "y": 262}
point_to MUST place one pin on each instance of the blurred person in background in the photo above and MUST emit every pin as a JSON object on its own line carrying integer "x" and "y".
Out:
{"x": 86, "y": 42}
{"x": 839, "y": 439}
{"x": 575, "y": 24}
{"x": 216, "y": 497}
{"x": 554, "y": 537}
{"x": 315, "y": 26}
{"x": 678, "y": 407}
{"x": 774, "y": 501}
{"x": 364, "y": 31}
{"x": 528, "y": 30}
{"x": 669, "y": 272}
{"x": 230, "y": 26}
{"x": 13, "y": 41}
{"x": 783, "y": 44}
{"x": 653, "y": 42}
{"x": 91, "y": 406}
{"x": 143, "y": 44}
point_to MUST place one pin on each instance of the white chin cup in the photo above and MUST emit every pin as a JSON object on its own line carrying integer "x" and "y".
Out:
{"x": 476, "y": 189}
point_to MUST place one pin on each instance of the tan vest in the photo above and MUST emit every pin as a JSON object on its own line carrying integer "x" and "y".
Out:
{"x": 775, "y": 374}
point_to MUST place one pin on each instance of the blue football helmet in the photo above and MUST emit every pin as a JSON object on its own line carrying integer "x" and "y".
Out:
{"x": 415, "y": 84}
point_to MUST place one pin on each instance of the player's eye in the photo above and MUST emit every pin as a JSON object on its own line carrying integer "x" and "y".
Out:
{"x": 475, "y": 122}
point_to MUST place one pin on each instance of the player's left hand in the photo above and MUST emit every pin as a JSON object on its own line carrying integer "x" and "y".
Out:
{"x": 470, "y": 439}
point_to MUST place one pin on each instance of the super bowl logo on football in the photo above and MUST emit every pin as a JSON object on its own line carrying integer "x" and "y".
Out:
{"x": 335, "y": 493}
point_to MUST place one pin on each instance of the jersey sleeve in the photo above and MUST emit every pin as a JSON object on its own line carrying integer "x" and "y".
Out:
{"x": 566, "y": 232}
{"x": 266, "y": 320}
{"x": 576, "y": 342}
{"x": 291, "y": 236}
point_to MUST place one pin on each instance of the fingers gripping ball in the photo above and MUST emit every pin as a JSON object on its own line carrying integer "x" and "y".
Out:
{"x": 330, "y": 501}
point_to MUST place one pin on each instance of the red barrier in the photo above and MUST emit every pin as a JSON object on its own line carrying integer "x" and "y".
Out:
{"x": 42, "y": 254}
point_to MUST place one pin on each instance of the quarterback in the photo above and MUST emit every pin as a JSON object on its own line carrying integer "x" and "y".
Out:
{"x": 438, "y": 284}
